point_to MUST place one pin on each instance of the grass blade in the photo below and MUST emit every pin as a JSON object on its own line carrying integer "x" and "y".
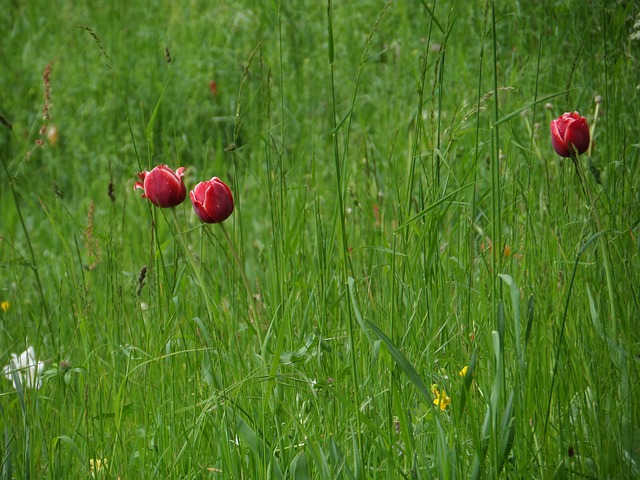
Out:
{"x": 515, "y": 305}
{"x": 356, "y": 309}
{"x": 507, "y": 434}
{"x": 517, "y": 112}
{"x": 256, "y": 444}
{"x": 435, "y": 204}
{"x": 431, "y": 14}
{"x": 6, "y": 455}
{"x": 299, "y": 469}
{"x": 403, "y": 363}
{"x": 467, "y": 381}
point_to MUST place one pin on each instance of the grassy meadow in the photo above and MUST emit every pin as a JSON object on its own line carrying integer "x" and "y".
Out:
{"x": 413, "y": 284}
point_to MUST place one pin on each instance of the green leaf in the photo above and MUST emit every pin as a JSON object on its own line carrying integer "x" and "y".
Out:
{"x": 435, "y": 204}
{"x": 481, "y": 450}
{"x": 17, "y": 382}
{"x": 530, "y": 311}
{"x": 433, "y": 17}
{"x": 71, "y": 444}
{"x": 515, "y": 113}
{"x": 507, "y": 434}
{"x": 337, "y": 458}
{"x": 498, "y": 381}
{"x": 154, "y": 115}
{"x": 443, "y": 453}
{"x": 319, "y": 459}
{"x": 248, "y": 436}
{"x": 403, "y": 363}
{"x": 468, "y": 380}
{"x": 356, "y": 310}
{"x": 595, "y": 318}
{"x": 6, "y": 457}
{"x": 255, "y": 444}
{"x": 330, "y": 31}
{"x": 120, "y": 412}
{"x": 299, "y": 468}
{"x": 515, "y": 305}
{"x": 357, "y": 458}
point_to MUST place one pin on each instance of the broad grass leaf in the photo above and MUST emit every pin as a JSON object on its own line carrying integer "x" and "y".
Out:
{"x": 299, "y": 469}
{"x": 403, "y": 363}
{"x": 256, "y": 444}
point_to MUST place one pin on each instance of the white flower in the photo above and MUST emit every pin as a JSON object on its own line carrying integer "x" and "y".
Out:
{"x": 26, "y": 367}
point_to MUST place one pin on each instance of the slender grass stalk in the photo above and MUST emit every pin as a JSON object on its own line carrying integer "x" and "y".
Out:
{"x": 418, "y": 128}
{"x": 562, "y": 330}
{"x": 496, "y": 207}
{"x": 602, "y": 241}
{"x": 34, "y": 263}
{"x": 476, "y": 166}
{"x": 197, "y": 270}
{"x": 346, "y": 262}
{"x": 245, "y": 281}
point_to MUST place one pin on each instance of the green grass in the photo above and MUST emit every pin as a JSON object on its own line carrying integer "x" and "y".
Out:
{"x": 399, "y": 214}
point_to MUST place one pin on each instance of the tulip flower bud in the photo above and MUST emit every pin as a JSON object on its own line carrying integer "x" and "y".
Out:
{"x": 212, "y": 200}
{"x": 162, "y": 186}
{"x": 570, "y": 135}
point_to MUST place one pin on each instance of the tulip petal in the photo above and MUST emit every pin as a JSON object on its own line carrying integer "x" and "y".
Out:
{"x": 577, "y": 137}
{"x": 163, "y": 187}
{"x": 212, "y": 201}
{"x": 570, "y": 134}
{"x": 197, "y": 205}
{"x": 218, "y": 202}
{"x": 557, "y": 141}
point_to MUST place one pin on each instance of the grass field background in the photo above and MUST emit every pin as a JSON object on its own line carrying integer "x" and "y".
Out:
{"x": 400, "y": 215}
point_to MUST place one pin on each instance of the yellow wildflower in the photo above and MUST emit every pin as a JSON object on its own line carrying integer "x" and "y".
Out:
{"x": 95, "y": 465}
{"x": 441, "y": 399}
{"x": 5, "y": 306}
{"x": 463, "y": 372}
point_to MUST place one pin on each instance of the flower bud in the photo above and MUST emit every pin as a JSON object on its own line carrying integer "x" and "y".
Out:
{"x": 162, "y": 186}
{"x": 212, "y": 200}
{"x": 570, "y": 135}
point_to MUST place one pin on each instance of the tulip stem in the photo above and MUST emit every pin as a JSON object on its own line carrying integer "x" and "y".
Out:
{"x": 196, "y": 268}
{"x": 576, "y": 164}
{"x": 243, "y": 275}
{"x": 601, "y": 240}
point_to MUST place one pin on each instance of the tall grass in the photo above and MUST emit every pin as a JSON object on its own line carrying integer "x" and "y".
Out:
{"x": 399, "y": 215}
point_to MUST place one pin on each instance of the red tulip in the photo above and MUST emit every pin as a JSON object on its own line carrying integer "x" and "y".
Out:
{"x": 162, "y": 186}
{"x": 570, "y": 135}
{"x": 212, "y": 200}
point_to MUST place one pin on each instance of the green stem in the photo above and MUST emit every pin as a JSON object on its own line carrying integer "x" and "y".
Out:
{"x": 346, "y": 259}
{"x": 245, "y": 280}
{"x": 602, "y": 241}
{"x": 34, "y": 264}
{"x": 194, "y": 265}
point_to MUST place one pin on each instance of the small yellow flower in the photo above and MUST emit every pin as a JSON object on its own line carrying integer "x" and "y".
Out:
{"x": 441, "y": 399}
{"x": 5, "y": 306}
{"x": 463, "y": 372}
{"x": 97, "y": 464}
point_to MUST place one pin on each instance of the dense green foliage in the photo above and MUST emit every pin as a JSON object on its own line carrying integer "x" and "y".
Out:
{"x": 399, "y": 215}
